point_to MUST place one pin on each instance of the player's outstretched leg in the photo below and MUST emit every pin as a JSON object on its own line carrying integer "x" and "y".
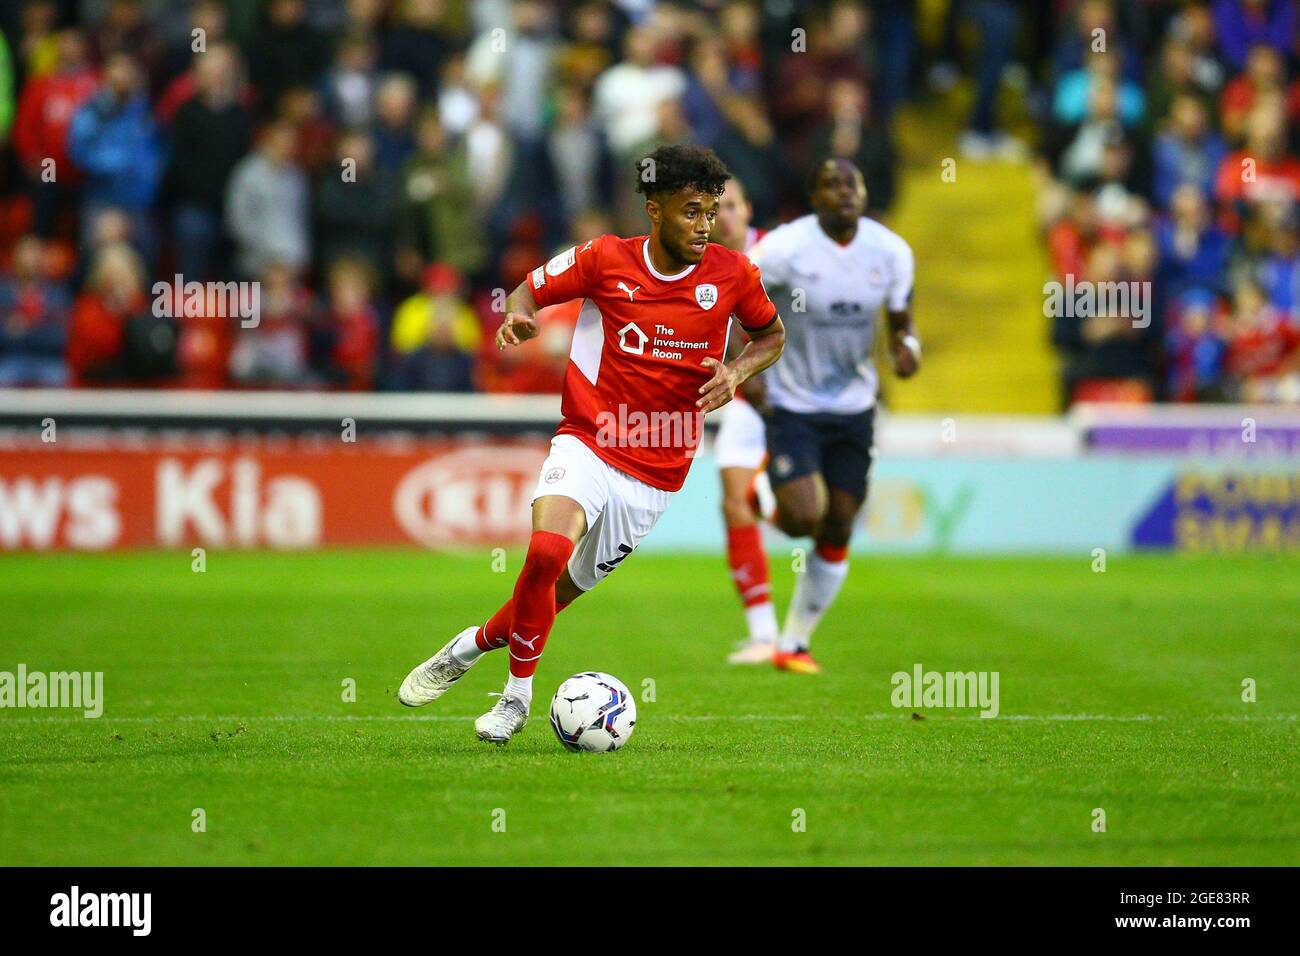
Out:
{"x": 749, "y": 571}
{"x": 430, "y": 680}
{"x": 820, "y": 583}
{"x": 534, "y": 615}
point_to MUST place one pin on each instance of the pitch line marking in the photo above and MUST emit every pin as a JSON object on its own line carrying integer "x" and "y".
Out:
{"x": 435, "y": 718}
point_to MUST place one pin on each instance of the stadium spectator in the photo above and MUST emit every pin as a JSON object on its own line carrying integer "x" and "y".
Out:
{"x": 1278, "y": 268}
{"x": 1075, "y": 92}
{"x": 627, "y": 96}
{"x": 393, "y": 131}
{"x": 1196, "y": 348}
{"x": 345, "y": 334}
{"x": 1186, "y": 151}
{"x": 435, "y": 337}
{"x": 732, "y": 120}
{"x": 207, "y": 31}
{"x": 996, "y": 21}
{"x": 458, "y": 102}
{"x": 1263, "y": 348}
{"x": 1101, "y": 128}
{"x": 204, "y": 326}
{"x": 38, "y": 50}
{"x": 591, "y": 46}
{"x": 1265, "y": 77}
{"x": 313, "y": 134}
{"x": 436, "y": 219}
{"x": 417, "y": 42}
{"x": 1183, "y": 71}
{"x": 45, "y": 111}
{"x": 34, "y": 315}
{"x": 114, "y": 139}
{"x": 1193, "y": 251}
{"x": 356, "y": 208}
{"x": 1240, "y": 25}
{"x": 578, "y": 153}
{"x": 275, "y": 353}
{"x": 1262, "y": 170}
{"x": 349, "y": 86}
{"x": 287, "y": 51}
{"x": 126, "y": 30}
{"x": 210, "y": 135}
{"x": 849, "y": 133}
{"x": 836, "y": 50}
{"x": 1107, "y": 351}
{"x": 109, "y": 227}
{"x": 267, "y": 205}
{"x": 114, "y": 339}
{"x": 518, "y": 59}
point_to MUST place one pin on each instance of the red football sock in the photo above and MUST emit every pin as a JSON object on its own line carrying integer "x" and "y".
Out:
{"x": 534, "y": 600}
{"x": 748, "y": 563}
{"x": 834, "y": 553}
{"x": 496, "y": 632}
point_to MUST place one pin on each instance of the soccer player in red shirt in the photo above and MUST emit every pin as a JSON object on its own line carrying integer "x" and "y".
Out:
{"x": 646, "y": 365}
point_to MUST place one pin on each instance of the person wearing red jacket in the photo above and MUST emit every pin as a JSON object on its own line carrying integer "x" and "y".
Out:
{"x": 45, "y": 112}
{"x": 347, "y": 337}
{"x": 97, "y": 337}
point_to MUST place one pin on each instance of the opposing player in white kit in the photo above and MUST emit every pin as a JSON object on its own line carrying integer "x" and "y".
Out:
{"x": 739, "y": 450}
{"x": 830, "y": 274}
{"x": 646, "y": 365}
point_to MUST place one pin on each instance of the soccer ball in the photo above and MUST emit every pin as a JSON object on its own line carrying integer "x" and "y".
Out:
{"x": 593, "y": 712}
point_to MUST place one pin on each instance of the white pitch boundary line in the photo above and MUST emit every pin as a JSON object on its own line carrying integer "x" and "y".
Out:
{"x": 905, "y": 715}
{"x": 344, "y": 718}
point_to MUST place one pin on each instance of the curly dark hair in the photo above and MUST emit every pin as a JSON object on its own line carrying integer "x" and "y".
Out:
{"x": 670, "y": 168}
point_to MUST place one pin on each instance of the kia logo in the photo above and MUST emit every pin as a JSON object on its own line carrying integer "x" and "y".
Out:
{"x": 472, "y": 495}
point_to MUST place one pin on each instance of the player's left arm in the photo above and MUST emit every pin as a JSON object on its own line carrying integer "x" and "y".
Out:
{"x": 756, "y": 315}
{"x": 904, "y": 343}
{"x": 763, "y": 349}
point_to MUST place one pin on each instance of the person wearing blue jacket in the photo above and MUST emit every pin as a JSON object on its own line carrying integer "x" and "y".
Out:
{"x": 114, "y": 140}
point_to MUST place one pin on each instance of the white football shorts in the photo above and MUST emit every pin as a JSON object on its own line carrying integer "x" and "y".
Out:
{"x": 742, "y": 439}
{"x": 620, "y": 509}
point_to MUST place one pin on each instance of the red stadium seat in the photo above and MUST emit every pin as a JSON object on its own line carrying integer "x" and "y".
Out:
{"x": 1115, "y": 391}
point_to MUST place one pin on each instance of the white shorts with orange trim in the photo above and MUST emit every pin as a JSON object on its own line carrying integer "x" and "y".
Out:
{"x": 620, "y": 509}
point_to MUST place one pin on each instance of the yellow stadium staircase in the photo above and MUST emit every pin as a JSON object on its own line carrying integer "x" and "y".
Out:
{"x": 980, "y": 268}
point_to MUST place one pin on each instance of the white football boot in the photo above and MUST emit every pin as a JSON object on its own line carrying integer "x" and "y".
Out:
{"x": 430, "y": 680}
{"x": 506, "y": 718}
{"x": 752, "y": 652}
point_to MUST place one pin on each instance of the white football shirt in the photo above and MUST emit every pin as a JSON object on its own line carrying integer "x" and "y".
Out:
{"x": 829, "y": 297}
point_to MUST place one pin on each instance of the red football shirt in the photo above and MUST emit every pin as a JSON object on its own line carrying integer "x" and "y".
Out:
{"x": 634, "y": 368}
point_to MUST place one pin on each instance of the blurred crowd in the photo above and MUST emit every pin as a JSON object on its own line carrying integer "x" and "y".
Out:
{"x": 384, "y": 170}
{"x": 1170, "y": 155}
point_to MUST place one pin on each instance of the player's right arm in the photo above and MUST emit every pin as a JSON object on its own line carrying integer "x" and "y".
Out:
{"x": 520, "y": 323}
{"x": 768, "y": 255}
{"x": 569, "y": 275}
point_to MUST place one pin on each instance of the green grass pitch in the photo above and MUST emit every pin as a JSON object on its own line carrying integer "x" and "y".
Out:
{"x": 224, "y": 691}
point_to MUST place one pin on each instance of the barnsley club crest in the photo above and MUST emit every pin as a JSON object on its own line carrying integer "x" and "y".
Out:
{"x": 706, "y": 295}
